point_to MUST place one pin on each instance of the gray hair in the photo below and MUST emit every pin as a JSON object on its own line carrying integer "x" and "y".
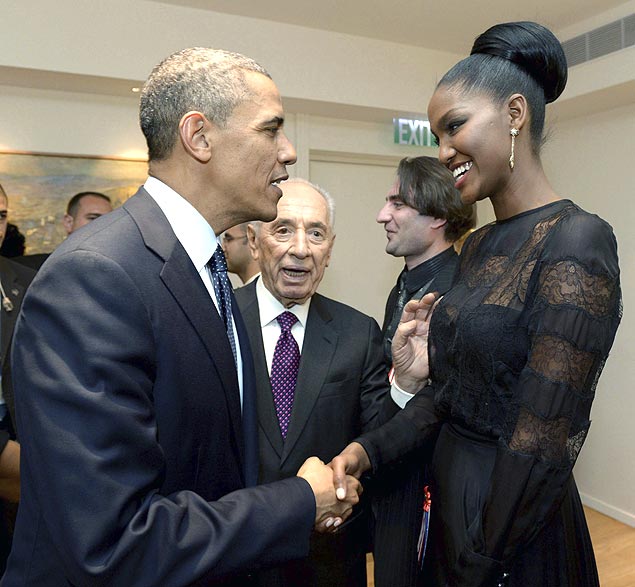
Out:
{"x": 330, "y": 203}
{"x": 210, "y": 81}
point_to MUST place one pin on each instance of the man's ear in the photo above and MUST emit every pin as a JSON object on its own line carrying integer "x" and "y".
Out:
{"x": 438, "y": 223}
{"x": 194, "y": 132}
{"x": 67, "y": 223}
{"x": 518, "y": 111}
{"x": 328, "y": 257}
{"x": 251, "y": 240}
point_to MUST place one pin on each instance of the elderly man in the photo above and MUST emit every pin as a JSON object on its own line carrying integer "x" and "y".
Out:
{"x": 423, "y": 216}
{"x": 133, "y": 374}
{"x": 238, "y": 255}
{"x": 319, "y": 368}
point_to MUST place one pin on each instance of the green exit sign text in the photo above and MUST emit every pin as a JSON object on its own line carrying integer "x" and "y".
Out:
{"x": 412, "y": 132}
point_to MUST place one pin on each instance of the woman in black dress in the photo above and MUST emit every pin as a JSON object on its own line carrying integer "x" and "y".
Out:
{"x": 517, "y": 345}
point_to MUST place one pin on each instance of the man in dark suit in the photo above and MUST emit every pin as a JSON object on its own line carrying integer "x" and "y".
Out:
{"x": 338, "y": 384}
{"x": 14, "y": 279}
{"x": 132, "y": 370}
{"x": 423, "y": 217}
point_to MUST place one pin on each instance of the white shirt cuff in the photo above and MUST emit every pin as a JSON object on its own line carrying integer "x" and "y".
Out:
{"x": 399, "y": 396}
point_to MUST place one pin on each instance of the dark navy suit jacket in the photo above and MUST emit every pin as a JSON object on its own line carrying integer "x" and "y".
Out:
{"x": 133, "y": 453}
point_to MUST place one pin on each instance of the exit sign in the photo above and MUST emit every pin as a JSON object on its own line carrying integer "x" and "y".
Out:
{"x": 412, "y": 132}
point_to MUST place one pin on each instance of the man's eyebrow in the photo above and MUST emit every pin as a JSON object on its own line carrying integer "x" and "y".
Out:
{"x": 277, "y": 120}
{"x": 317, "y": 224}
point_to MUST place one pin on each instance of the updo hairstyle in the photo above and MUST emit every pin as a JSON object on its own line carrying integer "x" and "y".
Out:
{"x": 514, "y": 57}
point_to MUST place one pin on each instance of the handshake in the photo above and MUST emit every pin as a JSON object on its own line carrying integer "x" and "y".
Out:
{"x": 336, "y": 486}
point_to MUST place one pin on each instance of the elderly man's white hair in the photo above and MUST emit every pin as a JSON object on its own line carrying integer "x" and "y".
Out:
{"x": 330, "y": 202}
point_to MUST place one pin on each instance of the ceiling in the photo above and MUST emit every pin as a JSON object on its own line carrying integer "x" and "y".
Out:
{"x": 441, "y": 24}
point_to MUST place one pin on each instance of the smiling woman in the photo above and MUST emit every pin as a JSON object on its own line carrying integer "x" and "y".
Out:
{"x": 519, "y": 342}
{"x": 517, "y": 345}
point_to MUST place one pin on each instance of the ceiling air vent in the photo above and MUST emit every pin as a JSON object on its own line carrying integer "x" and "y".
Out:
{"x": 601, "y": 41}
{"x": 629, "y": 31}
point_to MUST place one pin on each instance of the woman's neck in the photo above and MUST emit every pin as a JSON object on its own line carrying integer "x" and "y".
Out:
{"x": 527, "y": 189}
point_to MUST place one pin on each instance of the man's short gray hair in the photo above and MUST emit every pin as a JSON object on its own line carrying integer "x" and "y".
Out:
{"x": 210, "y": 81}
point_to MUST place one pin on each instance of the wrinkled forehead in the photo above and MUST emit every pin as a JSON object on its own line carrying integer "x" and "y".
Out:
{"x": 302, "y": 203}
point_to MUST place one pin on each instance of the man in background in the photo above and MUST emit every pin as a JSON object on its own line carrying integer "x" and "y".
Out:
{"x": 133, "y": 374}
{"x": 14, "y": 279}
{"x": 423, "y": 216}
{"x": 238, "y": 255}
{"x": 81, "y": 209}
{"x": 320, "y": 379}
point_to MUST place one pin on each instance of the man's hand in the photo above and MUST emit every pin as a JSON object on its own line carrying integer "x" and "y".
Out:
{"x": 347, "y": 468}
{"x": 330, "y": 511}
{"x": 410, "y": 344}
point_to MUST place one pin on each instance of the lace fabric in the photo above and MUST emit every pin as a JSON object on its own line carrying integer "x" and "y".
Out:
{"x": 516, "y": 350}
{"x": 514, "y": 344}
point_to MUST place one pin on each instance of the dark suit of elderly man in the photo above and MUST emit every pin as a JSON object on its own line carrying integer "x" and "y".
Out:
{"x": 132, "y": 371}
{"x": 338, "y": 384}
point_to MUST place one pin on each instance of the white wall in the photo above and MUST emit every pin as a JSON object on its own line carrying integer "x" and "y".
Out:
{"x": 590, "y": 160}
{"x": 70, "y": 123}
{"x": 126, "y": 38}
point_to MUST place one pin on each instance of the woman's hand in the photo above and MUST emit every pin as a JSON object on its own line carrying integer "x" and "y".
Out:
{"x": 410, "y": 344}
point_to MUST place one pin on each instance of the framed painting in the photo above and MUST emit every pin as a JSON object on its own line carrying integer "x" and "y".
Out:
{"x": 39, "y": 186}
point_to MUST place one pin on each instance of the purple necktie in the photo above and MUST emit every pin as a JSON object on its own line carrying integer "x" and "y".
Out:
{"x": 223, "y": 289}
{"x": 284, "y": 370}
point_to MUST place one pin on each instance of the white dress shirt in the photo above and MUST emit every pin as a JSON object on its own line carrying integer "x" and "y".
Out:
{"x": 399, "y": 396}
{"x": 197, "y": 238}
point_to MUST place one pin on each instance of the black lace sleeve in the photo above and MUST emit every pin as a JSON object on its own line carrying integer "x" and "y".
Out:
{"x": 574, "y": 305}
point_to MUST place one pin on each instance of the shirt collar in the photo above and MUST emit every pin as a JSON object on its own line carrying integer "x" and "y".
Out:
{"x": 418, "y": 276}
{"x": 192, "y": 230}
{"x": 270, "y": 308}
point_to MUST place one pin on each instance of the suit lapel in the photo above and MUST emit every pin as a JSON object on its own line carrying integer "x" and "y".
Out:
{"x": 249, "y": 413}
{"x": 184, "y": 283}
{"x": 320, "y": 342}
{"x": 267, "y": 418}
